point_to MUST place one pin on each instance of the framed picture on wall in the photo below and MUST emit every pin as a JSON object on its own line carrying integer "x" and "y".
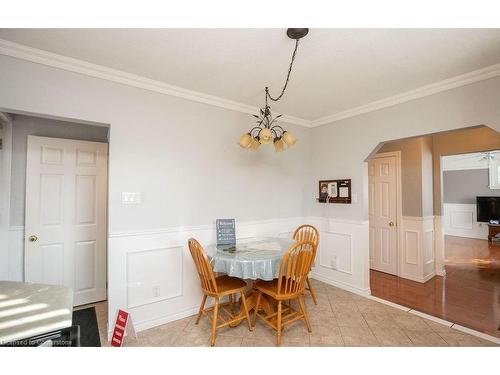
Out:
{"x": 334, "y": 191}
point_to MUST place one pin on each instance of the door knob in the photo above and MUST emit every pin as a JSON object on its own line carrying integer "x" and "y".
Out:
{"x": 32, "y": 238}
{"x": 391, "y": 224}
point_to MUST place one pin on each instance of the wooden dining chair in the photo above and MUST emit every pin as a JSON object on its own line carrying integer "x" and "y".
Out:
{"x": 308, "y": 233}
{"x": 217, "y": 287}
{"x": 289, "y": 286}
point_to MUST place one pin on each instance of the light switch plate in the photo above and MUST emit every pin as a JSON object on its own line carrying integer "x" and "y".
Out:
{"x": 131, "y": 197}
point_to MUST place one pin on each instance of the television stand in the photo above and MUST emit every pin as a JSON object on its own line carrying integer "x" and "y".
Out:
{"x": 493, "y": 230}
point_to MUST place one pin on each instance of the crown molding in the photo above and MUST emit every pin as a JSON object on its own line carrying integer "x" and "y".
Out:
{"x": 434, "y": 88}
{"x": 23, "y": 52}
{"x": 35, "y": 55}
{"x": 5, "y": 118}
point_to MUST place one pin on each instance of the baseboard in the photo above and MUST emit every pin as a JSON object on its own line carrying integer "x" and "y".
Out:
{"x": 472, "y": 332}
{"x": 429, "y": 276}
{"x": 431, "y": 317}
{"x": 418, "y": 279}
{"x": 339, "y": 284}
{"x": 147, "y": 324}
{"x": 151, "y": 323}
{"x": 445, "y": 323}
{"x": 389, "y": 303}
{"x": 462, "y": 235}
{"x": 441, "y": 273}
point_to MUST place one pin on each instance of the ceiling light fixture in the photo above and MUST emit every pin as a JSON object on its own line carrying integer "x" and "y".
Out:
{"x": 267, "y": 131}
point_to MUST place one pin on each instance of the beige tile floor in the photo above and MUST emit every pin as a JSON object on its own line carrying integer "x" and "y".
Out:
{"x": 340, "y": 319}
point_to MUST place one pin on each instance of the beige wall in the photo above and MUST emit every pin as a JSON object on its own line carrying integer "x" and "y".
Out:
{"x": 415, "y": 177}
{"x": 459, "y": 142}
{"x": 420, "y": 164}
{"x": 427, "y": 177}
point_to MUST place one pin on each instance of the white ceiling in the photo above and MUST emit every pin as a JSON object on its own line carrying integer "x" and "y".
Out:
{"x": 335, "y": 69}
{"x": 475, "y": 160}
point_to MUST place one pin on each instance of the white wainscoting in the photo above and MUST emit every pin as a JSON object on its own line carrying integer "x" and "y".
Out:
{"x": 417, "y": 248}
{"x": 16, "y": 253}
{"x": 170, "y": 290}
{"x": 461, "y": 220}
{"x": 152, "y": 275}
{"x": 343, "y": 254}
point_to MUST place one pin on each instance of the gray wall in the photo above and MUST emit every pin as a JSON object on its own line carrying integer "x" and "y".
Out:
{"x": 22, "y": 126}
{"x": 181, "y": 155}
{"x": 459, "y": 142}
{"x": 339, "y": 150}
{"x": 464, "y": 186}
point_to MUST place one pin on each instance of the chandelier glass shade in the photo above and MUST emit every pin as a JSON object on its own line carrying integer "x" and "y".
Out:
{"x": 267, "y": 131}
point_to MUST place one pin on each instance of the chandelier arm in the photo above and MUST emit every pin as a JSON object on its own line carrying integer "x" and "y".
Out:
{"x": 278, "y": 126}
{"x": 287, "y": 76}
{"x": 278, "y": 132}
{"x": 255, "y": 129}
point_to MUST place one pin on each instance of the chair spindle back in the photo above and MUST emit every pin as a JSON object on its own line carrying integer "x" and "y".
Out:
{"x": 295, "y": 267}
{"x": 306, "y": 232}
{"x": 203, "y": 267}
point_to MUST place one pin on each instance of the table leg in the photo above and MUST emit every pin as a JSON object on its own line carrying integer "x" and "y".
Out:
{"x": 265, "y": 304}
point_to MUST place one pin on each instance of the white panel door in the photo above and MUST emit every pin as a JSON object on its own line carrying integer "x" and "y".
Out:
{"x": 382, "y": 179}
{"x": 65, "y": 223}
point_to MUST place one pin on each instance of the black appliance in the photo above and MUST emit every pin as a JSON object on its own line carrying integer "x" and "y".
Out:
{"x": 488, "y": 208}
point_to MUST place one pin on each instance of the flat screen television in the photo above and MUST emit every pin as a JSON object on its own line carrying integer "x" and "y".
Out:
{"x": 488, "y": 208}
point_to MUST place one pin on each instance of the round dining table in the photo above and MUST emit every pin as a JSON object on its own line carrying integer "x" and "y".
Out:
{"x": 251, "y": 259}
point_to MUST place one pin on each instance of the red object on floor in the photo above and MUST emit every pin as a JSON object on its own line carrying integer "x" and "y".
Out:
{"x": 120, "y": 327}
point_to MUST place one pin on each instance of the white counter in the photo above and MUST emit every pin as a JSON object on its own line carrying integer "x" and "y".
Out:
{"x": 28, "y": 310}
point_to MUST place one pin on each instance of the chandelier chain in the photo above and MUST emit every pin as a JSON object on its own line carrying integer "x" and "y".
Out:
{"x": 287, "y": 76}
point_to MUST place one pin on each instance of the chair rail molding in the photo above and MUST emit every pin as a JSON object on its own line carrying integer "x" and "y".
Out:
{"x": 161, "y": 299}
{"x": 172, "y": 291}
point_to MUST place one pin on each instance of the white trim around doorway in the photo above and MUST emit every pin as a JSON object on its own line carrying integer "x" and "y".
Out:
{"x": 5, "y": 177}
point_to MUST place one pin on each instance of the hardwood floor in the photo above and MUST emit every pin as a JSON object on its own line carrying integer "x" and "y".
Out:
{"x": 468, "y": 295}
